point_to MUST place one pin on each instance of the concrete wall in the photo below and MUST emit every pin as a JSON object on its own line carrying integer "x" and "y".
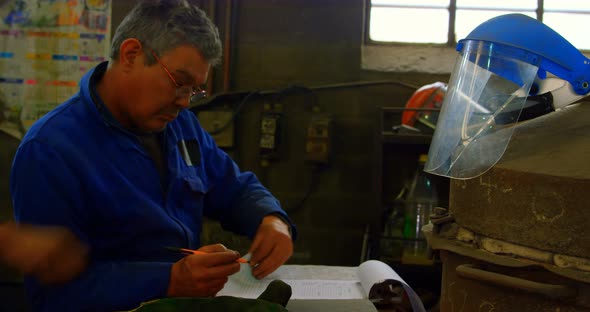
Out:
{"x": 311, "y": 43}
{"x": 314, "y": 43}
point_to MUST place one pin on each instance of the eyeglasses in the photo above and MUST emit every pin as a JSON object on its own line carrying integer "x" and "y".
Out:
{"x": 192, "y": 93}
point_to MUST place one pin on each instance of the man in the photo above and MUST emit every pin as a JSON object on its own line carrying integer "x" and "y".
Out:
{"x": 51, "y": 254}
{"x": 130, "y": 171}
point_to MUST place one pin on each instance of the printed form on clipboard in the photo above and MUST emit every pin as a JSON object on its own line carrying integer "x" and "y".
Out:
{"x": 373, "y": 280}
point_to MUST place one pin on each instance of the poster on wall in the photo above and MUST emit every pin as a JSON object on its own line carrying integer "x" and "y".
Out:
{"x": 45, "y": 48}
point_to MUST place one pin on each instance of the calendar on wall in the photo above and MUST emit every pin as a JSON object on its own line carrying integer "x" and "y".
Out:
{"x": 46, "y": 46}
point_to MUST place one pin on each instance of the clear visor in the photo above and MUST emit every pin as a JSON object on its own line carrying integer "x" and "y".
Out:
{"x": 485, "y": 96}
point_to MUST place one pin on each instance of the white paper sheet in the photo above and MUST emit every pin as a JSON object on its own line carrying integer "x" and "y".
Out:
{"x": 372, "y": 272}
{"x": 319, "y": 282}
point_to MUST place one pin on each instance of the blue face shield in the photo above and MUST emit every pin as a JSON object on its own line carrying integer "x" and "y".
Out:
{"x": 499, "y": 79}
{"x": 480, "y": 110}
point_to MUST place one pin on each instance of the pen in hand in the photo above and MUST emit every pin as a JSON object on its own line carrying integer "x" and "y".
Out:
{"x": 196, "y": 252}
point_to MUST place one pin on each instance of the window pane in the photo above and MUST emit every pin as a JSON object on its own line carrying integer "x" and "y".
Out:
{"x": 568, "y": 26}
{"x": 570, "y": 5}
{"x": 408, "y": 25}
{"x": 412, "y": 3}
{"x": 513, "y": 5}
{"x": 467, "y": 20}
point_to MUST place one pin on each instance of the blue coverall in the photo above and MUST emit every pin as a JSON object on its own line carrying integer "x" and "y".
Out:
{"x": 78, "y": 167}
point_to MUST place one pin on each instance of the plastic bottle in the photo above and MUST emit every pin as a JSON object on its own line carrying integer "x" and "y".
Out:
{"x": 392, "y": 242}
{"x": 421, "y": 200}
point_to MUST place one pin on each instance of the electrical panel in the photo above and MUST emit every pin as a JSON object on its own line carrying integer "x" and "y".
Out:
{"x": 270, "y": 133}
{"x": 317, "y": 146}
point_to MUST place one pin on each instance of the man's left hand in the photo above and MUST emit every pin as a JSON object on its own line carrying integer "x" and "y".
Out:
{"x": 272, "y": 246}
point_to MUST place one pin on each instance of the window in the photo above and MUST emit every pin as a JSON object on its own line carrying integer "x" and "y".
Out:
{"x": 447, "y": 21}
{"x": 420, "y": 35}
{"x": 391, "y": 20}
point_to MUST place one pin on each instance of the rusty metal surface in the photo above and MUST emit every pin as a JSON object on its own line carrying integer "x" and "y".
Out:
{"x": 546, "y": 212}
{"x": 557, "y": 144}
{"x": 538, "y": 195}
{"x": 437, "y": 241}
{"x": 461, "y": 292}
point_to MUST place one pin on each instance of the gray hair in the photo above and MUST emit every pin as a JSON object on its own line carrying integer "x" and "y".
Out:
{"x": 163, "y": 25}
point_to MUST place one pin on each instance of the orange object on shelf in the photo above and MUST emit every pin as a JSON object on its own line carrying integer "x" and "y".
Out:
{"x": 428, "y": 96}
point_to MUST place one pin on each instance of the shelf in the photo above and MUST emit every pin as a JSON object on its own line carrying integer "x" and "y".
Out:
{"x": 398, "y": 146}
{"x": 392, "y": 137}
{"x": 399, "y": 143}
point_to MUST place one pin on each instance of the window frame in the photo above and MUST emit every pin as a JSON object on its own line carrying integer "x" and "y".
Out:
{"x": 367, "y": 25}
{"x": 452, "y": 8}
{"x": 435, "y": 58}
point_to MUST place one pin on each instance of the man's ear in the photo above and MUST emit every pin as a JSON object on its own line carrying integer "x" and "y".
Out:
{"x": 129, "y": 53}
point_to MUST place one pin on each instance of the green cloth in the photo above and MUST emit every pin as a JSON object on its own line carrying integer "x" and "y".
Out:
{"x": 274, "y": 299}
{"x": 222, "y": 303}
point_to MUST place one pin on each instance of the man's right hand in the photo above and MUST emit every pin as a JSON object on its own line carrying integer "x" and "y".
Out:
{"x": 203, "y": 275}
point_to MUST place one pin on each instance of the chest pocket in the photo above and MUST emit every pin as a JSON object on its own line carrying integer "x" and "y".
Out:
{"x": 190, "y": 196}
{"x": 190, "y": 154}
